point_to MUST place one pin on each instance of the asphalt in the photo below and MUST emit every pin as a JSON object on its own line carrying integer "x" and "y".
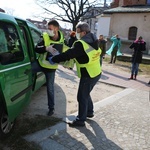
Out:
{"x": 121, "y": 121}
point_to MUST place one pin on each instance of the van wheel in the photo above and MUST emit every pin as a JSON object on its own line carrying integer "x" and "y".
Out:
{"x": 6, "y": 126}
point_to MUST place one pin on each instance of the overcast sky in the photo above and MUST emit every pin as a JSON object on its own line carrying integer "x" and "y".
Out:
{"x": 24, "y": 8}
{"x": 21, "y": 8}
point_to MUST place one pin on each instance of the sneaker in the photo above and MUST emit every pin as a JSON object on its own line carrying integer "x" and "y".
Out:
{"x": 77, "y": 123}
{"x": 50, "y": 112}
{"x": 90, "y": 115}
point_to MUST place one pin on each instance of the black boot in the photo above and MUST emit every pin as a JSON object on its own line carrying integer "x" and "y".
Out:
{"x": 135, "y": 77}
{"x": 131, "y": 77}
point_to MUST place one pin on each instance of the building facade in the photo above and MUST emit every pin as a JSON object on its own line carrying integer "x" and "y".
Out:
{"x": 91, "y": 17}
{"x": 130, "y": 19}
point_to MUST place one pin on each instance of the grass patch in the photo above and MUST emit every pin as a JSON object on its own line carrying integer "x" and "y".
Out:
{"x": 144, "y": 69}
{"x": 126, "y": 66}
{"x": 26, "y": 126}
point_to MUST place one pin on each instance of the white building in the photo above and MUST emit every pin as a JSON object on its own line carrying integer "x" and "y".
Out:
{"x": 128, "y": 22}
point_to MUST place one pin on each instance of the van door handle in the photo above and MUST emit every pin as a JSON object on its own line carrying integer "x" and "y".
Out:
{"x": 27, "y": 71}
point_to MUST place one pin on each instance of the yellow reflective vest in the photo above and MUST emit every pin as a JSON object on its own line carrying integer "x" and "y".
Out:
{"x": 42, "y": 57}
{"x": 93, "y": 66}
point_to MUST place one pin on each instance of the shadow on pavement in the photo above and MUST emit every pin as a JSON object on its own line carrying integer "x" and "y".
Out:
{"x": 65, "y": 75}
{"x": 115, "y": 75}
{"x": 97, "y": 137}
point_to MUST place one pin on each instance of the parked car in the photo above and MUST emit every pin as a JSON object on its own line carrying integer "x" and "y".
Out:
{"x": 18, "y": 38}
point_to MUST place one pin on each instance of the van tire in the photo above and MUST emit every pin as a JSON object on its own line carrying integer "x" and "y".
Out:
{"x": 6, "y": 127}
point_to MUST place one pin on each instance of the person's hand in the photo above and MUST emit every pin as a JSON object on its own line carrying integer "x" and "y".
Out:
{"x": 49, "y": 48}
{"x": 52, "y": 50}
{"x": 50, "y": 60}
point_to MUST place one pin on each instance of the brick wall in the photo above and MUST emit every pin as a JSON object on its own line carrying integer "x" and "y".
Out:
{"x": 117, "y": 3}
{"x": 114, "y": 4}
{"x": 135, "y": 2}
{"x": 127, "y": 2}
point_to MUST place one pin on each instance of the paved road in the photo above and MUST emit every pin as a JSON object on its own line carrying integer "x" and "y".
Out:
{"x": 121, "y": 121}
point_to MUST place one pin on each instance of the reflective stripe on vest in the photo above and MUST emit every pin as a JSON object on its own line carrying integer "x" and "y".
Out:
{"x": 42, "y": 58}
{"x": 93, "y": 66}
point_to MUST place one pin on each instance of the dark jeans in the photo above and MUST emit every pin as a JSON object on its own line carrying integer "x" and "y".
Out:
{"x": 114, "y": 55}
{"x": 50, "y": 77}
{"x": 134, "y": 68}
{"x": 85, "y": 104}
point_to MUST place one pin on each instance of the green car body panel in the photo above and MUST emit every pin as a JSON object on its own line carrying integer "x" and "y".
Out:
{"x": 17, "y": 82}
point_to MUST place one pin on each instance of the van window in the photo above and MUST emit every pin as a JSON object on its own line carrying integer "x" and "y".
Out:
{"x": 36, "y": 36}
{"x": 10, "y": 47}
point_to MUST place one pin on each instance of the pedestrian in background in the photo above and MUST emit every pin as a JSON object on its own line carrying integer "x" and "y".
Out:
{"x": 43, "y": 47}
{"x": 86, "y": 53}
{"x": 114, "y": 50}
{"x": 102, "y": 45}
{"x": 139, "y": 46}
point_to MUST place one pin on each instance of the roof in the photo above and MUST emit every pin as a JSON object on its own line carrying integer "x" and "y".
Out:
{"x": 129, "y": 9}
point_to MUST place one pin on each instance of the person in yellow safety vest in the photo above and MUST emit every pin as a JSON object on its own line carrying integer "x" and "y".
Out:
{"x": 45, "y": 44}
{"x": 86, "y": 53}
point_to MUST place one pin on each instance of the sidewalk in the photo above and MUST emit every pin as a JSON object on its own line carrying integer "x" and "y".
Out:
{"x": 121, "y": 121}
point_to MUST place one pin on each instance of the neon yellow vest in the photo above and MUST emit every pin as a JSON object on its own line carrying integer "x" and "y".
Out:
{"x": 42, "y": 57}
{"x": 93, "y": 66}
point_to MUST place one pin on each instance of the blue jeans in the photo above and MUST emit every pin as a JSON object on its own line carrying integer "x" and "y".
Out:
{"x": 50, "y": 77}
{"x": 85, "y": 104}
{"x": 134, "y": 68}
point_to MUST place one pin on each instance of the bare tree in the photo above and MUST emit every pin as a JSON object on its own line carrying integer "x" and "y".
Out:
{"x": 69, "y": 11}
{"x": 9, "y": 11}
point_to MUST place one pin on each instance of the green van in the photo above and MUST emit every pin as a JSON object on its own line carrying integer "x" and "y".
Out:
{"x": 18, "y": 38}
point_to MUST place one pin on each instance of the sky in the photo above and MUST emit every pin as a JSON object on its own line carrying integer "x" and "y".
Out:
{"x": 20, "y": 8}
{"x": 23, "y": 8}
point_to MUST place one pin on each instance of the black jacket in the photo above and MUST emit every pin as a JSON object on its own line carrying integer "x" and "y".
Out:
{"x": 139, "y": 47}
{"x": 71, "y": 41}
{"x": 78, "y": 52}
{"x": 102, "y": 45}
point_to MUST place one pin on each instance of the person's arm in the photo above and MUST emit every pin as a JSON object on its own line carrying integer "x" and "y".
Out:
{"x": 105, "y": 46}
{"x": 144, "y": 46}
{"x": 132, "y": 45}
{"x": 40, "y": 48}
{"x": 74, "y": 52}
{"x": 113, "y": 38}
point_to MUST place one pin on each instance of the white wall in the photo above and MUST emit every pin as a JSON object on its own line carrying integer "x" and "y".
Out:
{"x": 103, "y": 25}
{"x": 120, "y": 24}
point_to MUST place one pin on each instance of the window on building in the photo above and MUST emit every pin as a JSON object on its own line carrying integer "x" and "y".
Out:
{"x": 132, "y": 33}
{"x": 148, "y": 2}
